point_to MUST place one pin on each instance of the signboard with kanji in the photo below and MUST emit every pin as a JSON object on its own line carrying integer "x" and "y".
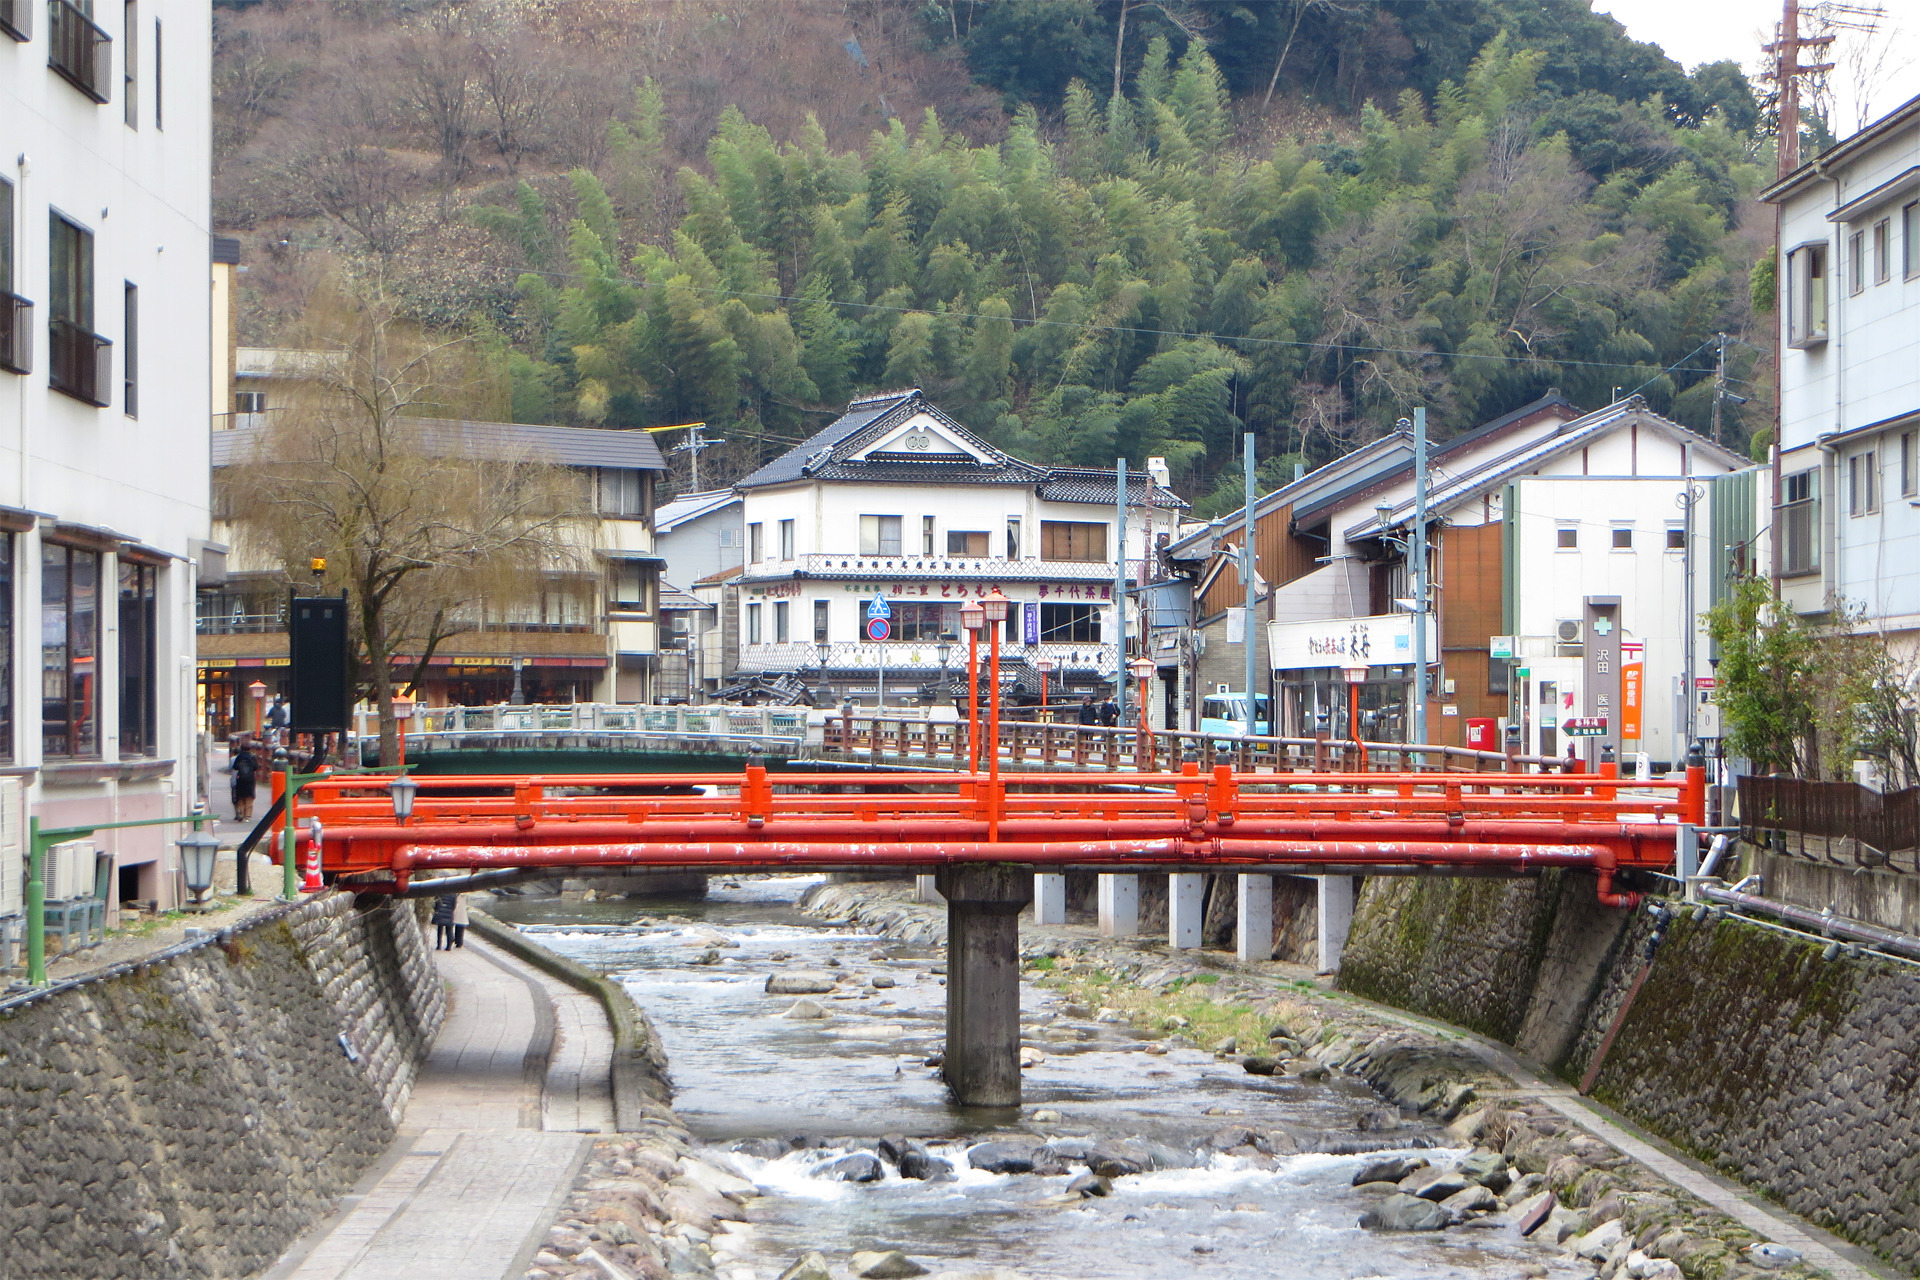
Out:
{"x": 1585, "y": 727}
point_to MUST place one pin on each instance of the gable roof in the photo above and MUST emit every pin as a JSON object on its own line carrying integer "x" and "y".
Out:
{"x": 1842, "y": 151}
{"x": 691, "y": 506}
{"x": 1324, "y": 485}
{"x": 833, "y": 453}
{"x": 457, "y": 437}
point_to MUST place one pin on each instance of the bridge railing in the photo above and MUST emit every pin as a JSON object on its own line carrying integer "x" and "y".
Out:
{"x": 597, "y": 717}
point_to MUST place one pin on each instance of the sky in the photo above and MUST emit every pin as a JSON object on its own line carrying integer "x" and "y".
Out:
{"x": 1876, "y": 73}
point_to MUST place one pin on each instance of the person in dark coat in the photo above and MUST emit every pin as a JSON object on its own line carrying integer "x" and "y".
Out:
{"x": 1089, "y": 713}
{"x": 245, "y": 770}
{"x": 443, "y": 922}
{"x": 1110, "y": 713}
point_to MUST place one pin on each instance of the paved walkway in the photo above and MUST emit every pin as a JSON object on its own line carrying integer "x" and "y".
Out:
{"x": 491, "y": 1138}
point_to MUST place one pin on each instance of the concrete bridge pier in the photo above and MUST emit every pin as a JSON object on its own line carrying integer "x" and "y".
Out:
{"x": 1334, "y": 917}
{"x": 1253, "y": 932}
{"x": 1186, "y": 908}
{"x": 1119, "y": 905}
{"x": 1049, "y": 898}
{"x": 984, "y": 901}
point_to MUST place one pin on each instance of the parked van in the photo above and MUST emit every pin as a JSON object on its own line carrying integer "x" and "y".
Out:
{"x": 1225, "y": 713}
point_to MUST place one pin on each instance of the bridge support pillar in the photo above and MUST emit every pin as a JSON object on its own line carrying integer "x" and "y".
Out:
{"x": 1049, "y": 898}
{"x": 1186, "y": 908}
{"x": 1119, "y": 905}
{"x": 984, "y": 901}
{"x": 1253, "y": 934}
{"x": 1334, "y": 918}
{"x": 924, "y": 890}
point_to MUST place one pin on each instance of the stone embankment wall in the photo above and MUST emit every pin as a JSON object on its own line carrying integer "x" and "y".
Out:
{"x": 192, "y": 1115}
{"x": 1745, "y": 1046}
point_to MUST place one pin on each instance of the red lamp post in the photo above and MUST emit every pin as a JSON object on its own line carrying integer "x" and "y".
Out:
{"x": 1142, "y": 669}
{"x": 973, "y": 617}
{"x": 1044, "y": 665}
{"x": 402, "y": 713}
{"x": 1356, "y": 676}
{"x": 995, "y": 607}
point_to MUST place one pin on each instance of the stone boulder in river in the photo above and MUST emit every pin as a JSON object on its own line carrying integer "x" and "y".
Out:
{"x": 1402, "y": 1212}
{"x": 1002, "y": 1157}
{"x": 801, "y": 982}
{"x": 1390, "y": 1170}
{"x": 855, "y": 1166}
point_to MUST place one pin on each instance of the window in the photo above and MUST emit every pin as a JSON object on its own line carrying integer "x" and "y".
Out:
{"x": 753, "y": 624}
{"x": 821, "y": 611}
{"x": 16, "y": 313}
{"x": 924, "y": 622}
{"x": 16, "y": 18}
{"x": 879, "y": 535}
{"x": 79, "y": 357}
{"x": 1909, "y": 231}
{"x": 1676, "y": 537}
{"x": 1856, "y": 262}
{"x": 627, "y": 587}
{"x": 130, "y": 60}
{"x": 130, "y": 353}
{"x": 1072, "y": 540}
{"x": 1799, "y": 523}
{"x": 1909, "y": 476}
{"x": 753, "y": 543}
{"x": 78, "y": 51}
{"x": 1013, "y": 537}
{"x": 1863, "y": 484}
{"x": 1807, "y": 295}
{"x": 1623, "y": 537}
{"x": 786, "y": 539}
{"x": 780, "y": 611}
{"x": 249, "y": 402}
{"x": 621, "y": 491}
{"x": 1069, "y": 624}
{"x": 69, "y": 652}
{"x": 1567, "y": 537}
{"x": 926, "y": 535}
{"x": 966, "y": 544}
{"x": 1882, "y": 251}
{"x": 138, "y": 661}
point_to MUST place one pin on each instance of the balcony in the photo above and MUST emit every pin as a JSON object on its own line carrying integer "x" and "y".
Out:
{"x": 914, "y": 658}
{"x": 984, "y": 569}
{"x": 16, "y": 333}
{"x": 78, "y": 362}
{"x": 79, "y": 51}
{"x": 16, "y": 18}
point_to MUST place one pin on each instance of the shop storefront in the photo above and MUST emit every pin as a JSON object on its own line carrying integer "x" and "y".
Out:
{"x": 1310, "y": 662}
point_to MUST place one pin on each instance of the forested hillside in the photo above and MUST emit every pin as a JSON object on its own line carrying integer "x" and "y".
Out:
{"x": 652, "y": 216}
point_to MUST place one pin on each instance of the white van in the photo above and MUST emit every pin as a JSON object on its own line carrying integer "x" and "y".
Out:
{"x": 1225, "y": 713}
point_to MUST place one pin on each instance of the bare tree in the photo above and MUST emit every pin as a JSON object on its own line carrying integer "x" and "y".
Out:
{"x": 435, "y": 79}
{"x": 416, "y": 527}
{"x": 515, "y": 86}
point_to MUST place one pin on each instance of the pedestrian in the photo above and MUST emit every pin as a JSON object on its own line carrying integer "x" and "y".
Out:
{"x": 459, "y": 919}
{"x": 277, "y": 717}
{"x": 443, "y": 907}
{"x": 1110, "y": 713}
{"x": 1088, "y": 713}
{"x": 245, "y": 770}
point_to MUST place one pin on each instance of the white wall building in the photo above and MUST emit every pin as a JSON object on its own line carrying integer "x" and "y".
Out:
{"x": 898, "y": 502}
{"x": 105, "y": 128}
{"x": 1848, "y": 519}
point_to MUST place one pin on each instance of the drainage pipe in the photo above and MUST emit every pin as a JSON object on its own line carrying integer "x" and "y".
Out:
{"x": 1826, "y": 922}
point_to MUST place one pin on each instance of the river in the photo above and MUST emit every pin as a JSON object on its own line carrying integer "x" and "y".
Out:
{"x": 821, "y": 1087}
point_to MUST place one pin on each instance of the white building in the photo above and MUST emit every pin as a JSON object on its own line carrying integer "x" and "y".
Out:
{"x": 1848, "y": 500}
{"x": 105, "y": 127}
{"x": 896, "y": 502}
{"x": 699, "y": 534}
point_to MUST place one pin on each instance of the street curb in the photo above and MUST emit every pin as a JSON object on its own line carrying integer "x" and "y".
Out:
{"x": 641, "y": 1090}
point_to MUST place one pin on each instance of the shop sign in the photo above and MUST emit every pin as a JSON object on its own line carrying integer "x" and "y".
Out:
{"x": 1631, "y": 683}
{"x": 1585, "y": 727}
{"x": 1379, "y": 640}
{"x": 1500, "y": 647}
{"x": 219, "y": 662}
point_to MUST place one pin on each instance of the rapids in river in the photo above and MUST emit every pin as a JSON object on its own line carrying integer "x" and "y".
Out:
{"x": 786, "y": 1096}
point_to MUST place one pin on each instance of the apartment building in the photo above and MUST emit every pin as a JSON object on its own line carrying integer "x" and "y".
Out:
{"x": 105, "y": 180}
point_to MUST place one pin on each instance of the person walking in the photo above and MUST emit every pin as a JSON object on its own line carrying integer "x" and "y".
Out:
{"x": 245, "y": 770}
{"x": 1088, "y": 713}
{"x": 459, "y": 920}
{"x": 443, "y": 908}
{"x": 1110, "y": 713}
{"x": 277, "y": 717}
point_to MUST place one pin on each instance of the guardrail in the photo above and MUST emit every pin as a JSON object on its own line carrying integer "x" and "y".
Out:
{"x": 1838, "y": 823}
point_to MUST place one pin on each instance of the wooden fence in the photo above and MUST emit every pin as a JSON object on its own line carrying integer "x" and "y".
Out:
{"x": 1841, "y": 823}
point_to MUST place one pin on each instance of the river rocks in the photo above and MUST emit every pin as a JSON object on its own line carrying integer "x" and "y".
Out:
{"x": 1433, "y": 1184}
{"x": 922, "y": 1165}
{"x": 881, "y": 981}
{"x": 1772, "y": 1256}
{"x": 1030, "y": 1056}
{"x": 1597, "y": 1243}
{"x": 1474, "y": 1199}
{"x": 1488, "y": 1168}
{"x": 855, "y": 1166}
{"x": 1306, "y": 1069}
{"x": 1259, "y": 1066}
{"x": 800, "y": 982}
{"x": 1402, "y": 1212}
{"x": 1225, "y": 1047}
{"x": 806, "y": 1010}
{"x": 1001, "y": 1157}
{"x": 889, "y": 1265}
{"x": 1090, "y": 1184}
{"x": 1392, "y": 1169}
{"x": 809, "y": 1266}
{"x": 1529, "y": 1214}
{"x": 762, "y": 1148}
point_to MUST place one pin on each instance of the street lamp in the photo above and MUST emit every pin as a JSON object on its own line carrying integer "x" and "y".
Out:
{"x": 1356, "y": 676}
{"x": 995, "y": 608}
{"x": 402, "y": 790}
{"x": 945, "y": 651}
{"x": 258, "y": 692}
{"x": 518, "y": 697}
{"x": 820, "y": 650}
{"x": 1142, "y": 669}
{"x": 1044, "y": 665}
{"x": 402, "y": 706}
{"x": 198, "y": 850}
{"x": 973, "y": 617}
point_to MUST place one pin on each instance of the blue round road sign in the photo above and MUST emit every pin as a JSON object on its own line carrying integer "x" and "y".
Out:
{"x": 878, "y": 628}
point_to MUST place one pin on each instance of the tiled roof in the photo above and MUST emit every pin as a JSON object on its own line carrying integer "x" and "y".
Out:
{"x": 1092, "y": 484}
{"x": 565, "y": 446}
{"x": 691, "y": 506}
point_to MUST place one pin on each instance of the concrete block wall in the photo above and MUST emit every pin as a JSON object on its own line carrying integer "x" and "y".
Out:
{"x": 193, "y": 1116}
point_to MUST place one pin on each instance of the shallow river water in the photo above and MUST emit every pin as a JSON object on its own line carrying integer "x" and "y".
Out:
{"x": 742, "y": 1071}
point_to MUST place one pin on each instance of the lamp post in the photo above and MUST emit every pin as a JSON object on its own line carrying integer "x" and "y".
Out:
{"x": 973, "y": 617}
{"x": 402, "y": 791}
{"x": 1142, "y": 669}
{"x": 518, "y": 698}
{"x": 1044, "y": 665}
{"x": 258, "y": 692}
{"x": 945, "y": 651}
{"x": 995, "y": 609}
{"x": 1356, "y": 676}
{"x": 402, "y": 713}
{"x": 198, "y": 850}
{"x": 820, "y": 650}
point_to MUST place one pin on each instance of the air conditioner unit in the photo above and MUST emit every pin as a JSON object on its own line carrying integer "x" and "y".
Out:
{"x": 1568, "y": 630}
{"x": 13, "y": 847}
{"x": 68, "y": 870}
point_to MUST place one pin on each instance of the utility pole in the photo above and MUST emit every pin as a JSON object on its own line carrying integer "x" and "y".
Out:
{"x": 691, "y": 446}
{"x": 1719, "y": 385}
{"x": 1418, "y": 548}
{"x": 1120, "y": 591}
{"x": 1787, "y": 70}
{"x": 1249, "y": 567}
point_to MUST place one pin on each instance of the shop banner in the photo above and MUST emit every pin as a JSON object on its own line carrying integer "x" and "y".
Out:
{"x": 1630, "y": 676}
{"x": 1380, "y": 640}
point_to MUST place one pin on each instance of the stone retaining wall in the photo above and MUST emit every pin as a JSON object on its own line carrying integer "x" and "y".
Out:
{"x": 193, "y": 1115}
